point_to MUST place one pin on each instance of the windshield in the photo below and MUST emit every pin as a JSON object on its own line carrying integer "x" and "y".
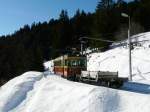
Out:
{"x": 75, "y": 63}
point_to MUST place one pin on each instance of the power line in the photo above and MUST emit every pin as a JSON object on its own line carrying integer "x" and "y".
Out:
{"x": 104, "y": 40}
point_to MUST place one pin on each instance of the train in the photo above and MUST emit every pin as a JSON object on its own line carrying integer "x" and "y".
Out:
{"x": 74, "y": 68}
{"x": 69, "y": 66}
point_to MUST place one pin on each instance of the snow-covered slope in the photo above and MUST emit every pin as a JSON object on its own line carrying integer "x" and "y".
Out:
{"x": 117, "y": 60}
{"x": 31, "y": 92}
{"x": 15, "y": 91}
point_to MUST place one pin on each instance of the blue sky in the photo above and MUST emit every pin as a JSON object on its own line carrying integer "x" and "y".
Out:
{"x": 16, "y": 13}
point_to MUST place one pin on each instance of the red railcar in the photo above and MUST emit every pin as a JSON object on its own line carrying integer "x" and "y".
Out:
{"x": 69, "y": 66}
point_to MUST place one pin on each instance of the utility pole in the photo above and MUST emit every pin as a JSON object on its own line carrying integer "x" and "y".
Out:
{"x": 130, "y": 61}
{"x": 129, "y": 42}
{"x": 81, "y": 47}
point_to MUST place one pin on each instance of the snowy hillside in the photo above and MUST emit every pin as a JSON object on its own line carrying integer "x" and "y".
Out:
{"x": 36, "y": 92}
{"x": 117, "y": 59}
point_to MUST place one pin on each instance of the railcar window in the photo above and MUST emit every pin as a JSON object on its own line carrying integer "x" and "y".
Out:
{"x": 57, "y": 63}
{"x": 74, "y": 63}
{"x": 69, "y": 63}
{"x": 83, "y": 63}
{"x": 66, "y": 62}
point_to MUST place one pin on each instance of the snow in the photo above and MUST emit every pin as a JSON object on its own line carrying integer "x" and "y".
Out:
{"x": 49, "y": 65}
{"x": 46, "y": 92}
{"x": 31, "y": 92}
{"x": 15, "y": 91}
{"x": 117, "y": 60}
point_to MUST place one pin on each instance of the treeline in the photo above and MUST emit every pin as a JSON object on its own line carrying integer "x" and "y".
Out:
{"x": 28, "y": 47}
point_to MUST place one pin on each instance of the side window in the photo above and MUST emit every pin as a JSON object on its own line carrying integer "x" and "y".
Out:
{"x": 76, "y": 63}
{"x": 66, "y": 63}
{"x": 83, "y": 63}
{"x": 69, "y": 62}
{"x": 72, "y": 63}
{"x": 57, "y": 63}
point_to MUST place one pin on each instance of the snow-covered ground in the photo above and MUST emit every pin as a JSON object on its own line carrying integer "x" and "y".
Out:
{"x": 46, "y": 92}
{"x": 117, "y": 60}
{"x": 36, "y": 92}
{"x": 16, "y": 90}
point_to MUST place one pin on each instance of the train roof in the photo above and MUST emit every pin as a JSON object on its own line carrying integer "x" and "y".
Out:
{"x": 69, "y": 57}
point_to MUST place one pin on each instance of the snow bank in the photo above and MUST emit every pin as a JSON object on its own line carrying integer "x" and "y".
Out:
{"x": 15, "y": 91}
{"x": 54, "y": 94}
{"x": 32, "y": 93}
